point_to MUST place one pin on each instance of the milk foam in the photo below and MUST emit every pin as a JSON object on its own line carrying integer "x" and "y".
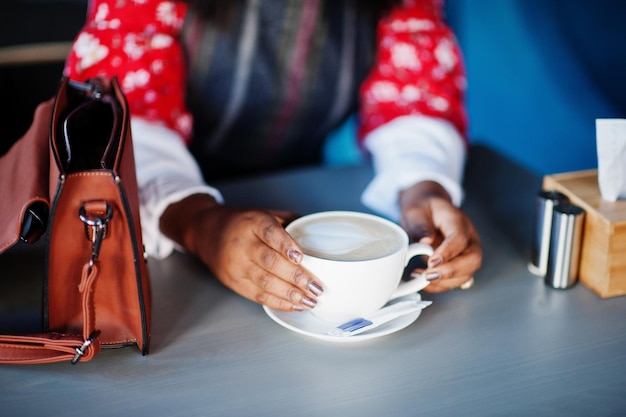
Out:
{"x": 346, "y": 238}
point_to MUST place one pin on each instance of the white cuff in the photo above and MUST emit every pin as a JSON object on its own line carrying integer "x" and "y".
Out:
{"x": 166, "y": 174}
{"x": 412, "y": 149}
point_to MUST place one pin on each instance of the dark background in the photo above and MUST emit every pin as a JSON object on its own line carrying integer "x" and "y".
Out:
{"x": 22, "y": 87}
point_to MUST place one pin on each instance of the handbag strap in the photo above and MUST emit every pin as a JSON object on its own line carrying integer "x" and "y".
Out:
{"x": 55, "y": 347}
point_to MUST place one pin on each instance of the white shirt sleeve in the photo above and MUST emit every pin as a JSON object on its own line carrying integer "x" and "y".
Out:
{"x": 408, "y": 150}
{"x": 166, "y": 173}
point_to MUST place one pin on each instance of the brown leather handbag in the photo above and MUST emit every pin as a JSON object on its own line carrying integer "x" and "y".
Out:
{"x": 80, "y": 191}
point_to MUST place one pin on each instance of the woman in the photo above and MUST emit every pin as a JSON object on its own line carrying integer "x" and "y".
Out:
{"x": 266, "y": 81}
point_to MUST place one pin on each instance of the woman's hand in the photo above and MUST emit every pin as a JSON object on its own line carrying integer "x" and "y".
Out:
{"x": 247, "y": 250}
{"x": 429, "y": 216}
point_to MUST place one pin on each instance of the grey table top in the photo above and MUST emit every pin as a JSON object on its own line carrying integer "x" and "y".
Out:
{"x": 509, "y": 346}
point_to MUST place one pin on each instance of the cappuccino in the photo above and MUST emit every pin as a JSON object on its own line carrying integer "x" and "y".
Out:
{"x": 359, "y": 259}
{"x": 347, "y": 238}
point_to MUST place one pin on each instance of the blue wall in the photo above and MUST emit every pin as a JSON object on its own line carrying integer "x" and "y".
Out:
{"x": 540, "y": 72}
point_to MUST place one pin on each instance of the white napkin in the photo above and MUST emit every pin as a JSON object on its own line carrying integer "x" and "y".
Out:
{"x": 611, "y": 144}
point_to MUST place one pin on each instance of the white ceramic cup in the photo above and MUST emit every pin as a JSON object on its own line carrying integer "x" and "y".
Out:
{"x": 359, "y": 259}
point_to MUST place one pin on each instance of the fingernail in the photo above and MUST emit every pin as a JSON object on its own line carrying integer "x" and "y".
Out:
{"x": 308, "y": 302}
{"x": 294, "y": 256}
{"x": 297, "y": 308}
{"x": 434, "y": 262}
{"x": 315, "y": 288}
{"x": 431, "y": 276}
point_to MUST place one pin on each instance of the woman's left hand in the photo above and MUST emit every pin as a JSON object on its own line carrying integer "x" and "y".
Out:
{"x": 428, "y": 216}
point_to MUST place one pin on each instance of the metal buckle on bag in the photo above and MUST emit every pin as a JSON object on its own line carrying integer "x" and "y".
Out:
{"x": 89, "y": 88}
{"x": 98, "y": 225}
{"x": 81, "y": 350}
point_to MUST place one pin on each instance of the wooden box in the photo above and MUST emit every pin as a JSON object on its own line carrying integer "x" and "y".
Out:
{"x": 603, "y": 253}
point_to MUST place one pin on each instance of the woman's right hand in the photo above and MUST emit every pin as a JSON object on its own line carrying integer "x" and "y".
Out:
{"x": 249, "y": 251}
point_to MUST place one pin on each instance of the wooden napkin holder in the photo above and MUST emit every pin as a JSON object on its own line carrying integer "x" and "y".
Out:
{"x": 603, "y": 252}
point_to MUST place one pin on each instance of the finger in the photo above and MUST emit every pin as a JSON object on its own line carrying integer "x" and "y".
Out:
{"x": 457, "y": 231}
{"x": 279, "y": 258}
{"x": 284, "y": 217}
{"x": 289, "y": 301}
{"x": 443, "y": 286}
{"x": 280, "y": 304}
{"x": 416, "y": 222}
{"x": 280, "y": 276}
{"x": 271, "y": 233}
{"x": 457, "y": 271}
{"x": 280, "y": 294}
{"x": 254, "y": 282}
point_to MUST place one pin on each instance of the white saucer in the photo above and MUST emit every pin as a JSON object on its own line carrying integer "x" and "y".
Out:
{"x": 308, "y": 324}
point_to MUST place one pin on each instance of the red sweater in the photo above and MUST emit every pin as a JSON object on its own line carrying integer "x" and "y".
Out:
{"x": 418, "y": 68}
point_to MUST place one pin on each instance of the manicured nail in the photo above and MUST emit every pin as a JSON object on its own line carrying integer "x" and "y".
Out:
{"x": 416, "y": 274}
{"x": 294, "y": 256}
{"x": 315, "y": 288}
{"x": 297, "y": 308}
{"x": 308, "y": 302}
{"x": 431, "y": 276}
{"x": 434, "y": 262}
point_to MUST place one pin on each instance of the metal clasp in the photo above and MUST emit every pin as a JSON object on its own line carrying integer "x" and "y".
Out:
{"x": 81, "y": 350}
{"x": 91, "y": 89}
{"x": 95, "y": 228}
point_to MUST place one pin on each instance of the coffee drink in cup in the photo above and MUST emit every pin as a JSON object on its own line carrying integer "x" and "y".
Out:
{"x": 359, "y": 258}
{"x": 346, "y": 238}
